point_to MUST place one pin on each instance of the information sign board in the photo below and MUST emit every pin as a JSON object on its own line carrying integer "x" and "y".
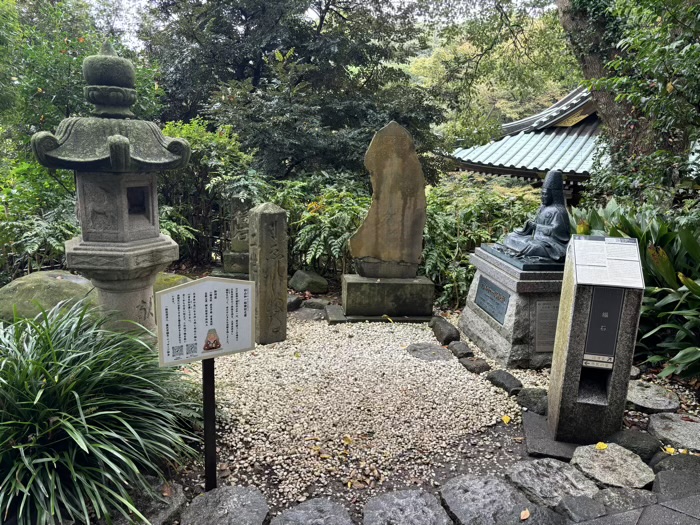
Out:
{"x": 206, "y": 318}
{"x": 492, "y": 299}
{"x": 608, "y": 261}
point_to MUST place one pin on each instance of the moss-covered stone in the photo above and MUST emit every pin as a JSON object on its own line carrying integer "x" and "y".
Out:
{"x": 44, "y": 290}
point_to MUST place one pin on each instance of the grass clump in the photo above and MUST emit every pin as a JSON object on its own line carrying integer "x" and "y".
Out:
{"x": 85, "y": 415}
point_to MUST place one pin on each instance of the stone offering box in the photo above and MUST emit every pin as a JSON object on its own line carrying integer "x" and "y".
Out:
{"x": 597, "y": 327}
{"x": 511, "y": 313}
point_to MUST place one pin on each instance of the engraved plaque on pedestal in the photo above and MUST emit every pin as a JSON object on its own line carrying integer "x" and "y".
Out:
{"x": 492, "y": 299}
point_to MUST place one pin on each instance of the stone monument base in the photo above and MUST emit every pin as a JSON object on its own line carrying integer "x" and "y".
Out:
{"x": 236, "y": 263}
{"x": 393, "y": 297}
{"x": 511, "y": 314}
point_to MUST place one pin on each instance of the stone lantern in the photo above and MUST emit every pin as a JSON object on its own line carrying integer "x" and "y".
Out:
{"x": 115, "y": 159}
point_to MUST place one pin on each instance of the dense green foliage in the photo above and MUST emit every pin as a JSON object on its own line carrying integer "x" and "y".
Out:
{"x": 86, "y": 414}
{"x": 463, "y": 212}
{"x": 670, "y": 254}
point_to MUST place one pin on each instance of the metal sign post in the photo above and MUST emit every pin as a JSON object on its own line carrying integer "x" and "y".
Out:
{"x": 199, "y": 321}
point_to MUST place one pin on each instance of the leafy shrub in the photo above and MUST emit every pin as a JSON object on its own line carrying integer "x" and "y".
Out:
{"x": 463, "y": 212}
{"x": 85, "y": 414}
{"x": 670, "y": 254}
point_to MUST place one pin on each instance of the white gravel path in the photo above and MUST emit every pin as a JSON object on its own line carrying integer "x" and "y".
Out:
{"x": 346, "y": 404}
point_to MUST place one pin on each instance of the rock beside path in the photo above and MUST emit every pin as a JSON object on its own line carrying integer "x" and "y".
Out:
{"x": 317, "y": 511}
{"x": 308, "y": 281}
{"x": 651, "y": 398}
{"x": 445, "y": 332}
{"x": 407, "y": 507}
{"x": 227, "y": 506}
{"x": 475, "y": 365}
{"x": 675, "y": 484}
{"x": 679, "y": 462}
{"x": 546, "y": 481}
{"x": 620, "y": 499}
{"x": 485, "y": 500}
{"x": 460, "y": 349}
{"x": 429, "y": 352}
{"x": 676, "y": 430}
{"x": 157, "y": 511}
{"x": 580, "y": 508}
{"x": 614, "y": 466}
{"x": 293, "y": 302}
{"x": 534, "y": 399}
{"x": 506, "y": 381}
{"x": 641, "y": 443}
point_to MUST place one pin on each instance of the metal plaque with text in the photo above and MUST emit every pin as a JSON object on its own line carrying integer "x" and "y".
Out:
{"x": 603, "y": 324}
{"x": 492, "y": 299}
{"x": 546, "y": 325}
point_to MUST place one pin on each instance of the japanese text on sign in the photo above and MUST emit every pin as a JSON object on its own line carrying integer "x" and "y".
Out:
{"x": 206, "y": 318}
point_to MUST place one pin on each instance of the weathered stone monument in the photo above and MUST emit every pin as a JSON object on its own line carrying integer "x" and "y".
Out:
{"x": 236, "y": 259}
{"x": 115, "y": 159}
{"x": 387, "y": 247}
{"x": 597, "y": 327}
{"x": 268, "y": 268}
{"x": 511, "y": 310}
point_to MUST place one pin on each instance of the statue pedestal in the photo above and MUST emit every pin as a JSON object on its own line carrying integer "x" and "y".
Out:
{"x": 365, "y": 298}
{"x": 511, "y": 314}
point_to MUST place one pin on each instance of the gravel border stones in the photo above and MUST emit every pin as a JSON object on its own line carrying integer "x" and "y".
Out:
{"x": 293, "y": 302}
{"x": 676, "y": 430}
{"x": 475, "y": 365}
{"x": 614, "y": 466}
{"x": 506, "y": 381}
{"x": 429, "y": 352}
{"x": 445, "y": 332}
{"x": 538, "y": 516}
{"x": 651, "y": 398}
{"x": 580, "y": 508}
{"x": 641, "y": 443}
{"x": 157, "y": 511}
{"x": 460, "y": 349}
{"x": 407, "y": 507}
{"x": 620, "y": 499}
{"x": 315, "y": 303}
{"x": 317, "y": 511}
{"x": 679, "y": 462}
{"x": 227, "y": 506}
{"x": 481, "y": 500}
{"x": 546, "y": 481}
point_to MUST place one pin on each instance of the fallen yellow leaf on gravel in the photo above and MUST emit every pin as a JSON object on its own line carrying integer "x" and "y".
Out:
{"x": 600, "y": 446}
{"x": 524, "y": 515}
{"x": 506, "y": 419}
{"x": 347, "y": 440}
{"x": 670, "y": 450}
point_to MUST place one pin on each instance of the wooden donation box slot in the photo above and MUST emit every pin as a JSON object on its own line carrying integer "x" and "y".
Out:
{"x": 596, "y": 334}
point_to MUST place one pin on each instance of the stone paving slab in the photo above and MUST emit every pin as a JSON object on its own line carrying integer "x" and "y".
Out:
{"x": 689, "y": 506}
{"x": 539, "y": 442}
{"x": 336, "y": 315}
{"x": 660, "y": 515}
{"x": 631, "y": 517}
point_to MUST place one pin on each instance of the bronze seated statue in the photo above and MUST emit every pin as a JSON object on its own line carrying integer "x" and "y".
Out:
{"x": 548, "y": 235}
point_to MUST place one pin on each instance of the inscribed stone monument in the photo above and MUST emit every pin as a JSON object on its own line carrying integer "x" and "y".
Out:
{"x": 597, "y": 326}
{"x": 389, "y": 242}
{"x": 268, "y": 268}
{"x": 512, "y": 305}
{"x": 387, "y": 247}
{"x": 115, "y": 159}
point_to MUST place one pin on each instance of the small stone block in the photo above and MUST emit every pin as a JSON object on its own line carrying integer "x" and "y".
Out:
{"x": 580, "y": 508}
{"x": 641, "y": 443}
{"x": 316, "y": 304}
{"x": 227, "y": 506}
{"x": 689, "y": 506}
{"x": 651, "y": 398}
{"x": 679, "y": 462}
{"x": 293, "y": 302}
{"x": 534, "y": 399}
{"x": 539, "y": 441}
{"x": 676, "y": 484}
{"x": 475, "y": 365}
{"x": 369, "y": 296}
{"x": 676, "y": 430}
{"x": 460, "y": 349}
{"x": 234, "y": 262}
{"x": 445, "y": 332}
{"x": 506, "y": 381}
{"x": 307, "y": 281}
{"x": 614, "y": 466}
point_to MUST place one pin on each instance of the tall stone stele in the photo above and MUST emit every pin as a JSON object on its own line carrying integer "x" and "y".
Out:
{"x": 387, "y": 247}
{"x": 115, "y": 159}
